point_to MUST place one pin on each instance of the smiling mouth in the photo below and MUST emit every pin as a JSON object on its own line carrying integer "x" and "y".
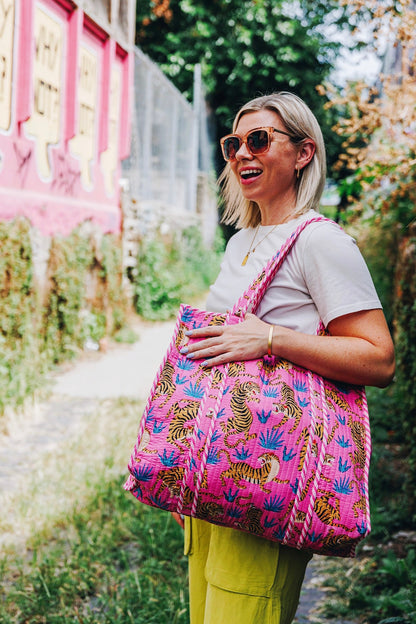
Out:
{"x": 250, "y": 173}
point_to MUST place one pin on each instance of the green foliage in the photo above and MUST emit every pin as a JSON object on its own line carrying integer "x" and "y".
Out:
{"x": 405, "y": 390}
{"x": 42, "y": 326}
{"x": 381, "y": 590}
{"x": 246, "y": 48}
{"x": 110, "y": 561}
{"x": 171, "y": 272}
{"x": 69, "y": 262}
{"x": 19, "y": 318}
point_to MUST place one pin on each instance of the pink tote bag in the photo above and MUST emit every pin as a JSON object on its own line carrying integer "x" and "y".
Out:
{"x": 263, "y": 446}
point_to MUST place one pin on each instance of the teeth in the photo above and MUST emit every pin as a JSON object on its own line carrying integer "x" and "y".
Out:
{"x": 250, "y": 172}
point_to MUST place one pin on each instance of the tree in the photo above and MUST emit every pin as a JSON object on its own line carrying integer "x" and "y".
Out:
{"x": 246, "y": 48}
{"x": 384, "y": 180}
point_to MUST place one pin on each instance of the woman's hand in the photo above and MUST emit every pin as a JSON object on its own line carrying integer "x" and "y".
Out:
{"x": 178, "y": 518}
{"x": 229, "y": 343}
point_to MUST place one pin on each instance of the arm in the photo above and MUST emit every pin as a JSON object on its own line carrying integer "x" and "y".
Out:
{"x": 358, "y": 351}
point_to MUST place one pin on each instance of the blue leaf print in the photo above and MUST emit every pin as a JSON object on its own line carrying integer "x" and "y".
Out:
{"x": 229, "y": 496}
{"x": 242, "y": 455}
{"x": 272, "y": 440}
{"x": 170, "y": 460}
{"x": 185, "y": 364}
{"x": 343, "y": 486}
{"x": 143, "y": 473}
{"x": 159, "y": 502}
{"x": 269, "y": 523}
{"x": 194, "y": 391}
{"x": 235, "y": 513}
{"x": 288, "y": 455}
{"x": 158, "y": 428}
{"x": 300, "y": 386}
{"x": 343, "y": 467}
{"x": 187, "y": 315}
{"x": 271, "y": 393}
{"x": 213, "y": 456}
{"x": 274, "y": 503}
{"x": 343, "y": 442}
{"x": 263, "y": 416}
{"x": 180, "y": 380}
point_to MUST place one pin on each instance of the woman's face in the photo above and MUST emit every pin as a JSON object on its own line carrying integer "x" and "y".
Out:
{"x": 269, "y": 179}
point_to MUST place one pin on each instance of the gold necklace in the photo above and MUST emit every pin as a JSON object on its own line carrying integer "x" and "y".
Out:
{"x": 252, "y": 250}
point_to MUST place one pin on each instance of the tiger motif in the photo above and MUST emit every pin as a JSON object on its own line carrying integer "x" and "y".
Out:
{"x": 334, "y": 398}
{"x": 209, "y": 510}
{"x": 242, "y": 418}
{"x": 252, "y": 521}
{"x": 337, "y": 543}
{"x": 144, "y": 441}
{"x": 165, "y": 385}
{"x": 241, "y": 471}
{"x": 171, "y": 478}
{"x": 180, "y": 427}
{"x": 289, "y": 407}
{"x": 358, "y": 458}
{"x": 328, "y": 512}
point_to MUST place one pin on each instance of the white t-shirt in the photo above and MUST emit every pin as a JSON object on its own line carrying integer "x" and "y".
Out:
{"x": 323, "y": 277}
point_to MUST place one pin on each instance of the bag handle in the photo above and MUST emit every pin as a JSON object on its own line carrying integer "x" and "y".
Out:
{"x": 255, "y": 292}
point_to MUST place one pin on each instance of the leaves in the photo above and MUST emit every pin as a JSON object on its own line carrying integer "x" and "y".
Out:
{"x": 245, "y": 48}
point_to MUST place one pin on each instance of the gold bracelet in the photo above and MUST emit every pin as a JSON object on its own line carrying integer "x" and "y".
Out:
{"x": 270, "y": 341}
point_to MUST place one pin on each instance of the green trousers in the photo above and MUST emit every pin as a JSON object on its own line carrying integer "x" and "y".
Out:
{"x": 237, "y": 578}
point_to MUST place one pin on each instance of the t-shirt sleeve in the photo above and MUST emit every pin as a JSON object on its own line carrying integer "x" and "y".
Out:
{"x": 337, "y": 276}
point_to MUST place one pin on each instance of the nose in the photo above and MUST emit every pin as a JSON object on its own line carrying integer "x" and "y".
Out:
{"x": 243, "y": 152}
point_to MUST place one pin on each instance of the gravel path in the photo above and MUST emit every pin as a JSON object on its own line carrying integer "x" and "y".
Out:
{"x": 77, "y": 389}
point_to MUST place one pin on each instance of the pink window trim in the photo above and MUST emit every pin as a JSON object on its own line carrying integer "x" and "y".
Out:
{"x": 25, "y": 63}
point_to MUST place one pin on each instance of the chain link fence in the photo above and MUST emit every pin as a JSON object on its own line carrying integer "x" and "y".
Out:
{"x": 168, "y": 178}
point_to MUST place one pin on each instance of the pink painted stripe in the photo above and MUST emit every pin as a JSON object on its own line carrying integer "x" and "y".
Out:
{"x": 24, "y": 88}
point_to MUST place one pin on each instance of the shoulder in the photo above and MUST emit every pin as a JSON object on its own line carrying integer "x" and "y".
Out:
{"x": 326, "y": 238}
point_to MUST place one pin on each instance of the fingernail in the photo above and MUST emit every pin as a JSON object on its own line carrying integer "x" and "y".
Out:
{"x": 189, "y": 332}
{"x": 184, "y": 351}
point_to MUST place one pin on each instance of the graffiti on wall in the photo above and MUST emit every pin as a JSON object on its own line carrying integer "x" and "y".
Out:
{"x": 44, "y": 123}
{"x": 109, "y": 157}
{"x": 83, "y": 144}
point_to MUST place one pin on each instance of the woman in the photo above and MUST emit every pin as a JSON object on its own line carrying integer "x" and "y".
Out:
{"x": 273, "y": 180}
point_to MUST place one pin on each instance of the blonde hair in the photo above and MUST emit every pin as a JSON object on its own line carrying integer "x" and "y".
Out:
{"x": 301, "y": 124}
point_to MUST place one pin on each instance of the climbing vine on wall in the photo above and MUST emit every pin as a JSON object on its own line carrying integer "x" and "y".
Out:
{"x": 41, "y": 325}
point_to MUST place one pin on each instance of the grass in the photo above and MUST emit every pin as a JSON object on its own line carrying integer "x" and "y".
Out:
{"x": 81, "y": 549}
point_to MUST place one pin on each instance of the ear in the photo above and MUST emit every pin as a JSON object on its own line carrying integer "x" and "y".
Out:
{"x": 305, "y": 153}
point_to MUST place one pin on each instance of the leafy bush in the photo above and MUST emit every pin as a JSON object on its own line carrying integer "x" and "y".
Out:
{"x": 39, "y": 326}
{"x": 21, "y": 363}
{"x": 170, "y": 272}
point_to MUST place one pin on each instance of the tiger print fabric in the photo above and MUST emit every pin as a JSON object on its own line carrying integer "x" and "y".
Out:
{"x": 262, "y": 446}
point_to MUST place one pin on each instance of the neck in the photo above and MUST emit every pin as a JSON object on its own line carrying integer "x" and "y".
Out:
{"x": 278, "y": 212}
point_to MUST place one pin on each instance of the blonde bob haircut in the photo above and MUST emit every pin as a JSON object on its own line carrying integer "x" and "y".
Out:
{"x": 301, "y": 124}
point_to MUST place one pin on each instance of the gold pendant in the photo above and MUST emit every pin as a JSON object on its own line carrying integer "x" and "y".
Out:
{"x": 244, "y": 262}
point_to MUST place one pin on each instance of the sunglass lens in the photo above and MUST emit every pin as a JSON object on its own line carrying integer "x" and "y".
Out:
{"x": 258, "y": 141}
{"x": 231, "y": 147}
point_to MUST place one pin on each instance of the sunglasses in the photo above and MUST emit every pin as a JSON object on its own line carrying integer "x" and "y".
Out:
{"x": 258, "y": 142}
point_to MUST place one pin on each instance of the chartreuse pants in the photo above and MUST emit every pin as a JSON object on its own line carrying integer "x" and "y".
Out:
{"x": 237, "y": 578}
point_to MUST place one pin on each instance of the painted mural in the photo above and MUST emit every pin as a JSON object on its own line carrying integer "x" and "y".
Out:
{"x": 64, "y": 117}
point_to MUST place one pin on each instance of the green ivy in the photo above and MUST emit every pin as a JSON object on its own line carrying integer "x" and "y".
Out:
{"x": 82, "y": 299}
{"x": 174, "y": 271}
{"x": 21, "y": 363}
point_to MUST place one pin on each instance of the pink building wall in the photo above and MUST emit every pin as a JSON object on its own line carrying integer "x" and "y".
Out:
{"x": 65, "y": 90}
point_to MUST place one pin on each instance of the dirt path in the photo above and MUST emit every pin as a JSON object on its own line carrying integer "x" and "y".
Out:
{"x": 77, "y": 391}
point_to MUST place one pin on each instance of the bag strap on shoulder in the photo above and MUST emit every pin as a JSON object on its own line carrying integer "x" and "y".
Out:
{"x": 251, "y": 298}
